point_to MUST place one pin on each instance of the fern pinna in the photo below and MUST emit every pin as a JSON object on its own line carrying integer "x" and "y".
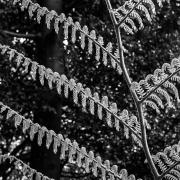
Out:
{"x": 160, "y": 87}
{"x": 168, "y": 162}
{"x": 75, "y": 154}
{"x": 25, "y": 169}
{"x": 81, "y": 95}
{"x": 153, "y": 91}
{"x": 75, "y": 31}
{"x": 128, "y": 15}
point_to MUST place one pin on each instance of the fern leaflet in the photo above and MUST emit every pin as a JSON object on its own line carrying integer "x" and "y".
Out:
{"x": 74, "y": 153}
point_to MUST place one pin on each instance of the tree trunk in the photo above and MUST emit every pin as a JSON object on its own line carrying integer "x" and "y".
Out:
{"x": 50, "y": 52}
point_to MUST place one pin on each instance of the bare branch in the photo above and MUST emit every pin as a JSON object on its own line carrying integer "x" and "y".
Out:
{"x": 21, "y": 35}
{"x": 74, "y": 175}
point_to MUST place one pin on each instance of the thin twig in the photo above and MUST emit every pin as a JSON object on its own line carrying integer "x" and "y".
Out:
{"x": 21, "y": 35}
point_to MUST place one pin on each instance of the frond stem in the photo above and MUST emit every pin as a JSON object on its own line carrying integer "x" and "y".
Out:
{"x": 120, "y": 46}
{"x": 159, "y": 85}
{"x": 144, "y": 142}
{"x": 121, "y": 54}
{"x": 134, "y": 95}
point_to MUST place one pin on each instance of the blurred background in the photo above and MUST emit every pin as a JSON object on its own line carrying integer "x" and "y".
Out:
{"x": 146, "y": 50}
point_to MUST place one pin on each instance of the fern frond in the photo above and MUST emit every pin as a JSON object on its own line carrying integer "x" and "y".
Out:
{"x": 87, "y": 99}
{"x": 101, "y": 42}
{"x": 131, "y": 22}
{"x": 157, "y": 99}
{"x": 164, "y": 94}
{"x": 11, "y": 55}
{"x": 170, "y": 177}
{"x": 151, "y": 5}
{"x": 105, "y": 54}
{"x": 75, "y": 154}
{"x": 173, "y": 88}
{"x": 175, "y": 78}
{"x": 40, "y": 13}
{"x": 168, "y": 162}
{"x": 9, "y": 114}
{"x": 177, "y": 167}
{"x": 90, "y": 45}
{"x": 26, "y": 65}
{"x": 26, "y": 125}
{"x": 24, "y": 4}
{"x": 129, "y": 11}
{"x": 175, "y": 173}
{"x": 51, "y": 16}
{"x": 127, "y": 28}
{"x": 138, "y": 89}
{"x": 25, "y": 169}
{"x": 134, "y": 15}
{"x": 145, "y": 10}
{"x": 34, "y": 67}
{"x": 152, "y": 105}
{"x": 32, "y": 8}
{"x": 33, "y": 130}
{"x": 165, "y": 158}
{"x": 16, "y": 1}
{"x": 41, "y": 134}
{"x": 162, "y": 83}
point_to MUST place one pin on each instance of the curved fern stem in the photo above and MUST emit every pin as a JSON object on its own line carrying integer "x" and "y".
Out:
{"x": 159, "y": 85}
{"x": 168, "y": 170}
{"x": 144, "y": 142}
{"x": 135, "y": 98}
{"x": 120, "y": 46}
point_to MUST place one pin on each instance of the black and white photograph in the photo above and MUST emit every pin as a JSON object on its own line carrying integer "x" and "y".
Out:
{"x": 89, "y": 89}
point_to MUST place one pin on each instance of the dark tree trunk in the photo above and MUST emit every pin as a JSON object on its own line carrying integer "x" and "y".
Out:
{"x": 50, "y": 52}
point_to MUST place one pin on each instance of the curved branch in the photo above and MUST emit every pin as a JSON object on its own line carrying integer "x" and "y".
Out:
{"x": 134, "y": 95}
{"x": 144, "y": 141}
{"x": 21, "y": 35}
{"x": 74, "y": 175}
